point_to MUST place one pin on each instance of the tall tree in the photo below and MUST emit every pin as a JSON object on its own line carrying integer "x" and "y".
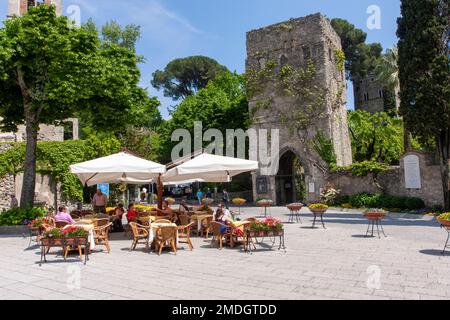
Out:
{"x": 184, "y": 77}
{"x": 360, "y": 57}
{"x": 50, "y": 70}
{"x": 424, "y": 67}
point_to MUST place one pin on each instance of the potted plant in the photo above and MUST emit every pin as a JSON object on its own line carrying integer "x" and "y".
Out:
{"x": 444, "y": 219}
{"x": 295, "y": 207}
{"x": 264, "y": 203}
{"x": 75, "y": 236}
{"x": 239, "y": 202}
{"x": 208, "y": 201}
{"x": 53, "y": 237}
{"x": 318, "y": 208}
{"x": 268, "y": 227}
{"x": 374, "y": 214}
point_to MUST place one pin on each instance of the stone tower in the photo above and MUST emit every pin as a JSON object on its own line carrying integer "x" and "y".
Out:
{"x": 297, "y": 42}
{"x": 19, "y": 7}
{"x": 369, "y": 94}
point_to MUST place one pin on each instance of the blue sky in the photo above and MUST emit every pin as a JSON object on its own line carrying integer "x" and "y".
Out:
{"x": 217, "y": 28}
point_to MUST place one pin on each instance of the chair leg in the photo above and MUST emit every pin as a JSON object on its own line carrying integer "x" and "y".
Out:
{"x": 133, "y": 245}
{"x": 220, "y": 243}
{"x": 107, "y": 246}
{"x": 80, "y": 252}
{"x": 160, "y": 248}
{"x": 190, "y": 244}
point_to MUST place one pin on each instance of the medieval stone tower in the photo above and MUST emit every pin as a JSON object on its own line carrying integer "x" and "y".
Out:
{"x": 297, "y": 43}
{"x": 369, "y": 94}
{"x": 19, "y": 7}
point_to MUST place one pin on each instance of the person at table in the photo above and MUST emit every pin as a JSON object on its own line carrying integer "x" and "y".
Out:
{"x": 117, "y": 225}
{"x": 226, "y": 212}
{"x": 131, "y": 213}
{"x": 184, "y": 208}
{"x": 166, "y": 210}
{"x": 99, "y": 202}
{"x": 63, "y": 216}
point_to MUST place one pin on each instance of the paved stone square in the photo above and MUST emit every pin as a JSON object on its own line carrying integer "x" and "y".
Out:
{"x": 337, "y": 263}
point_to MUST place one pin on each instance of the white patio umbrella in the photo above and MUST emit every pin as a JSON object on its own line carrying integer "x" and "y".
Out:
{"x": 209, "y": 168}
{"x": 118, "y": 168}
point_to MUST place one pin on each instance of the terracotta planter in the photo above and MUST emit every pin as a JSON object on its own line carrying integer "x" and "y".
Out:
{"x": 318, "y": 211}
{"x": 52, "y": 242}
{"x": 444, "y": 223}
{"x": 375, "y": 215}
{"x": 295, "y": 207}
{"x": 75, "y": 242}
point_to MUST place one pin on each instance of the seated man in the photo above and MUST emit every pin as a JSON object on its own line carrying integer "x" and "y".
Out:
{"x": 63, "y": 216}
{"x": 166, "y": 210}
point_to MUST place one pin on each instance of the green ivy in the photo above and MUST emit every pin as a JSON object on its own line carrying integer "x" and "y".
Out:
{"x": 361, "y": 169}
{"x": 56, "y": 157}
{"x": 324, "y": 147}
{"x": 339, "y": 56}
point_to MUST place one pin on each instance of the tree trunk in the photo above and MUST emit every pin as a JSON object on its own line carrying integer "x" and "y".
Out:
{"x": 406, "y": 139}
{"x": 443, "y": 144}
{"x": 29, "y": 175}
{"x": 160, "y": 190}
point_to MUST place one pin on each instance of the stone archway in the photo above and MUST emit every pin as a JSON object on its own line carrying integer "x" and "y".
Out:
{"x": 290, "y": 181}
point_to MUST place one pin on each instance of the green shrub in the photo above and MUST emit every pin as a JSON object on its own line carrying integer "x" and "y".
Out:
{"x": 368, "y": 200}
{"x": 18, "y": 216}
{"x": 341, "y": 200}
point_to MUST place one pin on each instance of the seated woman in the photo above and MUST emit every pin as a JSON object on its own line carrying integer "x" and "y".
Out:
{"x": 166, "y": 211}
{"x": 117, "y": 218}
{"x": 131, "y": 213}
{"x": 63, "y": 216}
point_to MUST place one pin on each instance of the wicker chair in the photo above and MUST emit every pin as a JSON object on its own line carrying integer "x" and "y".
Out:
{"x": 166, "y": 237}
{"x": 61, "y": 224}
{"x": 218, "y": 234}
{"x": 184, "y": 220}
{"x": 163, "y": 221}
{"x": 140, "y": 233}
{"x": 102, "y": 222}
{"x": 101, "y": 236}
{"x": 206, "y": 227}
{"x": 184, "y": 233}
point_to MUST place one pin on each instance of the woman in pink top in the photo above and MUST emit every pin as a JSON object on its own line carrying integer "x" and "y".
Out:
{"x": 63, "y": 216}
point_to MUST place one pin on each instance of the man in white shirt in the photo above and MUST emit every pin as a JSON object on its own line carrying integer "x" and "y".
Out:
{"x": 99, "y": 202}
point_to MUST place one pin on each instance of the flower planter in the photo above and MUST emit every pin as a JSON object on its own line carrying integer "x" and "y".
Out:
{"x": 318, "y": 211}
{"x": 75, "y": 242}
{"x": 374, "y": 215}
{"x": 52, "y": 242}
{"x": 295, "y": 207}
{"x": 444, "y": 223}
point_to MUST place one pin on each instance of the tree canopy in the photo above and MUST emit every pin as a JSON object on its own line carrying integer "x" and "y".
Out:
{"x": 185, "y": 76}
{"x": 221, "y": 105}
{"x": 424, "y": 67}
{"x": 51, "y": 70}
{"x": 361, "y": 58}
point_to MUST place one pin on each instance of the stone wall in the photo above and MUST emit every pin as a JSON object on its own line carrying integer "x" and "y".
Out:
{"x": 392, "y": 182}
{"x": 6, "y": 184}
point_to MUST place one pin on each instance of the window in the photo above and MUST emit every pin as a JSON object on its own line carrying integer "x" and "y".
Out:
{"x": 380, "y": 92}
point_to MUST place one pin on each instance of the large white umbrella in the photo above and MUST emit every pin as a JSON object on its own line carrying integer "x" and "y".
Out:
{"x": 118, "y": 168}
{"x": 209, "y": 168}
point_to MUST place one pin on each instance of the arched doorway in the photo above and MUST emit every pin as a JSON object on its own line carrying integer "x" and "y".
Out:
{"x": 290, "y": 180}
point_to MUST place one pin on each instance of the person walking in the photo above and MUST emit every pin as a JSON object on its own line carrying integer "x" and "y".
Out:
{"x": 99, "y": 202}
{"x": 200, "y": 196}
{"x": 225, "y": 198}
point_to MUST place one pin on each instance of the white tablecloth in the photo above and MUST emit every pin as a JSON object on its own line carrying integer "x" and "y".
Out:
{"x": 155, "y": 226}
{"x": 89, "y": 228}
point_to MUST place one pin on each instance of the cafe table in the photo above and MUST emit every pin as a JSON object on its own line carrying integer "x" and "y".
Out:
{"x": 200, "y": 217}
{"x": 154, "y": 227}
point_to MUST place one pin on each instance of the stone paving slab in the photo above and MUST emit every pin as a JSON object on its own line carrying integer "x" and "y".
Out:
{"x": 336, "y": 263}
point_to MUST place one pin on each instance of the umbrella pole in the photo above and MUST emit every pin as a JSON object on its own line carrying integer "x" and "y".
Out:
{"x": 160, "y": 190}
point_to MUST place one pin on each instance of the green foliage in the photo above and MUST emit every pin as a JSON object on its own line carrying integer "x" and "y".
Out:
{"x": 368, "y": 200}
{"x": 361, "y": 169}
{"x": 424, "y": 64}
{"x": 339, "y": 56}
{"x": 51, "y": 70}
{"x": 221, "y": 105}
{"x": 324, "y": 147}
{"x": 56, "y": 157}
{"x": 18, "y": 216}
{"x": 360, "y": 57}
{"x": 376, "y": 137}
{"x": 184, "y": 77}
